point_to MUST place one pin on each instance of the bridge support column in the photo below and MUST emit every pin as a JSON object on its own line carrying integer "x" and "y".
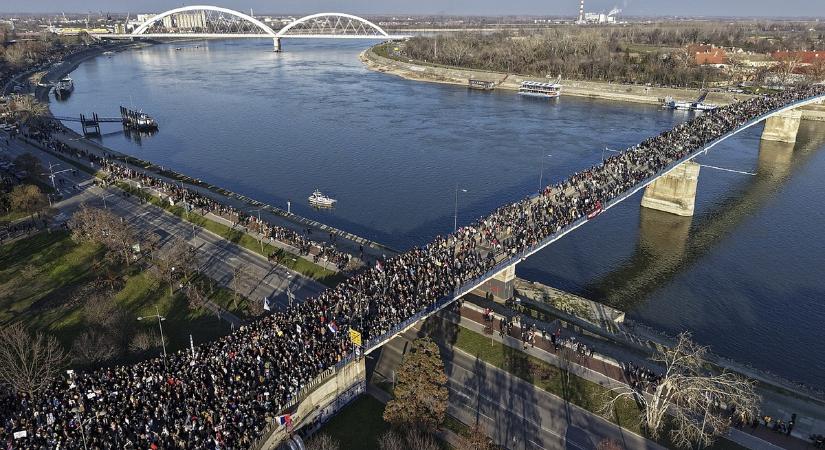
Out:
{"x": 277, "y": 44}
{"x": 502, "y": 285}
{"x": 675, "y": 192}
{"x": 782, "y": 127}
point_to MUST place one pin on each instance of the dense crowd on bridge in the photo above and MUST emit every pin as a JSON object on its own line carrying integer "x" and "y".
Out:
{"x": 227, "y": 394}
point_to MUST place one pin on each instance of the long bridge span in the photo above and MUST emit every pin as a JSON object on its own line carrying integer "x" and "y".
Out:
{"x": 209, "y": 22}
{"x": 782, "y": 125}
{"x": 505, "y": 266}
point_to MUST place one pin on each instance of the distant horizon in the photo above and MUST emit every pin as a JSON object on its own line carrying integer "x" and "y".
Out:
{"x": 696, "y": 9}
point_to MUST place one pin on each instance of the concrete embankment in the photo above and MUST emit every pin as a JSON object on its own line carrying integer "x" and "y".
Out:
{"x": 605, "y": 91}
{"x": 69, "y": 64}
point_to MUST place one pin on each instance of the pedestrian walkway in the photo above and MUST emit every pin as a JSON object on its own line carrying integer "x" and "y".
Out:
{"x": 601, "y": 369}
{"x": 343, "y": 240}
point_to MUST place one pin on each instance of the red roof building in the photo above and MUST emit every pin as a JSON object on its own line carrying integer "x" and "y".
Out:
{"x": 707, "y": 54}
{"x": 801, "y": 57}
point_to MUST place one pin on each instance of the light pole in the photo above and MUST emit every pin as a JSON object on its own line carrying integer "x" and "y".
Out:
{"x": 160, "y": 325}
{"x": 541, "y": 172}
{"x": 104, "y": 200}
{"x": 289, "y": 294}
{"x": 80, "y": 423}
{"x": 260, "y": 229}
{"x": 455, "y": 211}
{"x": 52, "y": 173}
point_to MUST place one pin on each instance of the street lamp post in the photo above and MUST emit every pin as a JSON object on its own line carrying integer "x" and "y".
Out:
{"x": 104, "y": 200}
{"x": 455, "y": 211}
{"x": 82, "y": 426}
{"x": 160, "y": 326}
{"x": 260, "y": 229}
{"x": 541, "y": 172}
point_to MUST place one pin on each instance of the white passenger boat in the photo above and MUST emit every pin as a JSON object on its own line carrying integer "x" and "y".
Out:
{"x": 541, "y": 90}
{"x": 64, "y": 86}
{"x": 320, "y": 200}
{"x": 697, "y": 105}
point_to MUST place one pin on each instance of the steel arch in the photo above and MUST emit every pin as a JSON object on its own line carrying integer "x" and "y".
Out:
{"x": 141, "y": 29}
{"x": 283, "y": 31}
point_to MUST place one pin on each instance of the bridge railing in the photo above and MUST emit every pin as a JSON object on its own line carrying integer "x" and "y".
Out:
{"x": 473, "y": 284}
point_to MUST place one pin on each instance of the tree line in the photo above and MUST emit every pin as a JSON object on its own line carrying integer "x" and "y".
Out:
{"x": 634, "y": 54}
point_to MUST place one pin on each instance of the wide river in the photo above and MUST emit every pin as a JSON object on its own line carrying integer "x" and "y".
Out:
{"x": 745, "y": 275}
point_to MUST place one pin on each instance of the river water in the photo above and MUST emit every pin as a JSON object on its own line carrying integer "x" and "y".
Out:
{"x": 744, "y": 275}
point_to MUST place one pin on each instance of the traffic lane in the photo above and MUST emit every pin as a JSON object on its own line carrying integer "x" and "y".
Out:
{"x": 523, "y": 416}
{"x": 218, "y": 257}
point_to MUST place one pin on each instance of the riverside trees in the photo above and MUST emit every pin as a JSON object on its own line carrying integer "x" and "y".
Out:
{"x": 421, "y": 389}
{"x": 628, "y": 54}
{"x": 103, "y": 227}
{"x": 695, "y": 403}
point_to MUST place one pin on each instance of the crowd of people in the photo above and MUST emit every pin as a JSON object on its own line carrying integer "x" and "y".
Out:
{"x": 641, "y": 379}
{"x": 230, "y": 390}
{"x": 193, "y": 199}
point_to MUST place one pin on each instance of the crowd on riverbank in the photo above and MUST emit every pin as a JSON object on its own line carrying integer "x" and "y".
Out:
{"x": 225, "y": 395}
{"x": 191, "y": 199}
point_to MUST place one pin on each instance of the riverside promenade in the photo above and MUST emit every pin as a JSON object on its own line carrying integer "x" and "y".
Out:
{"x": 604, "y": 367}
{"x": 319, "y": 232}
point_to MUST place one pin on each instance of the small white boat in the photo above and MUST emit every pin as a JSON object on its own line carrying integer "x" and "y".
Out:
{"x": 320, "y": 200}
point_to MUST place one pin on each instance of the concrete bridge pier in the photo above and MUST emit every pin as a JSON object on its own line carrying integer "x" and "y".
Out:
{"x": 276, "y": 45}
{"x": 501, "y": 285}
{"x": 783, "y": 127}
{"x": 675, "y": 192}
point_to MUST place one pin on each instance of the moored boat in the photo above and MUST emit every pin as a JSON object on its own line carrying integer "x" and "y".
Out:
{"x": 64, "y": 87}
{"x": 320, "y": 200}
{"x": 540, "y": 90}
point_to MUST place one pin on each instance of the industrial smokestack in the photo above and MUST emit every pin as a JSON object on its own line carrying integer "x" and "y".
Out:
{"x": 581, "y": 12}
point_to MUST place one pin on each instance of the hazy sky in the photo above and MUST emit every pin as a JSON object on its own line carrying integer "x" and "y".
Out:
{"x": 767, "y": 8}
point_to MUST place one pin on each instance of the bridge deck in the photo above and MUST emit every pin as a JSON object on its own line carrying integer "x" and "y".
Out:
{"x": 505, "y": 262}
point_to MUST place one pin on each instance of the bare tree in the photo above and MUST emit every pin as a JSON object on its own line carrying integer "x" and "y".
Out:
{"x": 29, "y": 363}
{"x": 697, "y": 399}
{"x": 411, "y": 438}
{"x": 237, "y": 283}
{"x": 103, "y": 227}
{"x": 323, "y": 441}
{"x": 173, "y": 261}
{"x": 27, "y": 109}
{"x": 94, "y": 346}
{"x": 196, "y": 295}
{"x": 475, "y": 439}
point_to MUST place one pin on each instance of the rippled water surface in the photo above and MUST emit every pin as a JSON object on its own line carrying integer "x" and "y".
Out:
{"x": 745, "y": 274}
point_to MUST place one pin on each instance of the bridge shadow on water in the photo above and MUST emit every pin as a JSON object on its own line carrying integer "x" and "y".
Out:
{"x": 669, "y": 245}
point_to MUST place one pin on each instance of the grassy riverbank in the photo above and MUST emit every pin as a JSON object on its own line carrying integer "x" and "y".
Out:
{"x": 42, "y": 282}
{"x": 293, "y": 262}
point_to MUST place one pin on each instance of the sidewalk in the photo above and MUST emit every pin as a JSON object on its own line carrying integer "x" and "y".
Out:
{"x": 606, "y": 371}
{"x": 319, "y": 232}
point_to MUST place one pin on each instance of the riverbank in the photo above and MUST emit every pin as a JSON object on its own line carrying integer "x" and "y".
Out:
{"x": 604, "y": 91}
{"x": 320, "y": 232}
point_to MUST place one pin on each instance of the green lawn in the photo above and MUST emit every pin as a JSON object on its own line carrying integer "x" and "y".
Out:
{"x": 581, "y": 392}
{"x": 359, "y": 425}
{"x": 242, "y": 239}
{"x": 40, "y": 277}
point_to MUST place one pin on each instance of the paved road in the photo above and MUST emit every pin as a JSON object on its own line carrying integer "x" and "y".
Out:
{"x": 514, "y": 413}
{"x": 217, "y": 256}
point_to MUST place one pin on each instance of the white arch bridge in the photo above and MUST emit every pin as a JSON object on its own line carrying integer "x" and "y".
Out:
{"x": 211, "y": 22}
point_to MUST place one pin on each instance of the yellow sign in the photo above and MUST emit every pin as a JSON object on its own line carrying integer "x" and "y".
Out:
{"x": 355, "y": 337}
